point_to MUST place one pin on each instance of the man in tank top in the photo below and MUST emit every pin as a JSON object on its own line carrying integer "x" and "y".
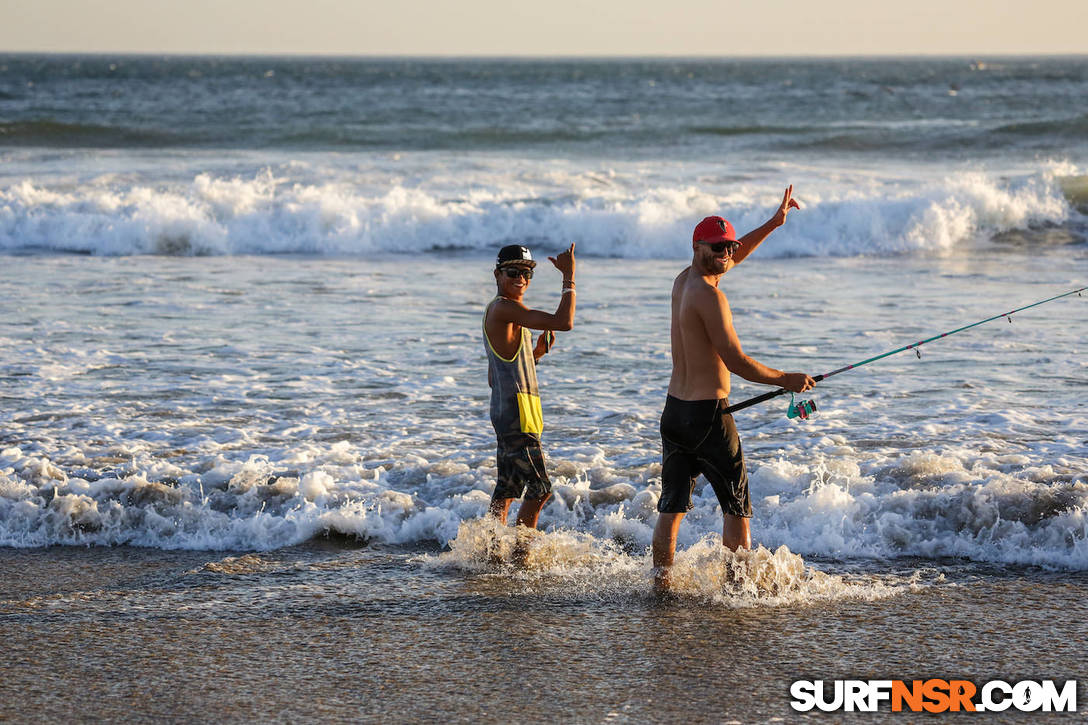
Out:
{"x": 696, "y": 435}
{"x": 515, "y": 399}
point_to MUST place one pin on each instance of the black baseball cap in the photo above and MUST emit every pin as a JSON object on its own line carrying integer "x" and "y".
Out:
{"x": 514, "y": 254}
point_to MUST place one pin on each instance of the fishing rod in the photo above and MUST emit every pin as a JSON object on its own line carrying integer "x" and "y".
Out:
{"x": 807, "y": 407}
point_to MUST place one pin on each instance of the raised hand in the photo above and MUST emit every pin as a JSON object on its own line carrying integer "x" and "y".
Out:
{"x": 565, "y": 262}
{"x": 788, "y": 202}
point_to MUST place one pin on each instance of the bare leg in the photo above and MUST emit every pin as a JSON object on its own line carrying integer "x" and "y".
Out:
{"x": 736, "y": 533}
{"x": 664, "y": 548}
{"x": 499, "y": 507}
{"x": 528, "y": 515}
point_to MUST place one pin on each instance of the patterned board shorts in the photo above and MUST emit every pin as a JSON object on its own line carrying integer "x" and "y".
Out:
{"x": 520, "y": 461}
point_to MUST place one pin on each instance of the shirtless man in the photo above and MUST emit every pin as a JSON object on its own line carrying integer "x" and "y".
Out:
{"x": 696, "y": 435}
{"x": 511, "y": 373}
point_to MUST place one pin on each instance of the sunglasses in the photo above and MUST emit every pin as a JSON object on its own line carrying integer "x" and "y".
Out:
{"x": 515, "y": 272}
{"x": 719, "y": 247}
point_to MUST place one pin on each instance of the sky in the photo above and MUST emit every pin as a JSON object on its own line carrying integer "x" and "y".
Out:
{"x": 547, "y": 27}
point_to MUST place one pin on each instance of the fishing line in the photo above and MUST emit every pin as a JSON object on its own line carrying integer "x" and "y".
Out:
{"x": 806, "y": 407}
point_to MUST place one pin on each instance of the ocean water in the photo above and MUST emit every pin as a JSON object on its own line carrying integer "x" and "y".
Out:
{"x": 243, "y": 386}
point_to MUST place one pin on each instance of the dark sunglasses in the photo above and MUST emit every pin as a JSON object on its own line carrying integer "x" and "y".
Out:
{"x": 719, "y": 247}
{"x": 515, "y": 272}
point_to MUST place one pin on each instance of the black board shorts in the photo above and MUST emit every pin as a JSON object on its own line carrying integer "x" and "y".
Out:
{"x": 520, "y": 463}
{"x": 697, "y": 436}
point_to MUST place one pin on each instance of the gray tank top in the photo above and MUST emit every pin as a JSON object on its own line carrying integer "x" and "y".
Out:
{"x": 515, "y": 399}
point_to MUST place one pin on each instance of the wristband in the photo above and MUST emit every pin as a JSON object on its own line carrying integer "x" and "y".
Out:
{"x": 568, "y": 290}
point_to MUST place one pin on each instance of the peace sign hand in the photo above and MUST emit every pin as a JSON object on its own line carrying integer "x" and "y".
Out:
{"x": 788, "y": 202}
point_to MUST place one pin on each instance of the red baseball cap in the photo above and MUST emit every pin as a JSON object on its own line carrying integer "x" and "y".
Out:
{"x": 714, "y": 229}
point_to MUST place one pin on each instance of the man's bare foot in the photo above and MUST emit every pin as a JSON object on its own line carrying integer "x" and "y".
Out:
{"x": 523, "y": 537}
{"x": 520, "y": 557}
{"x": 494, "y": 551}
{"x": 734, "y": 567}
{"x": 662, "y": 581}
{"x": 493, "y": 532}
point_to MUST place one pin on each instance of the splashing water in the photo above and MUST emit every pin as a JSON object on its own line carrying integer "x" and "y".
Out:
{"x": 586, "y": 566}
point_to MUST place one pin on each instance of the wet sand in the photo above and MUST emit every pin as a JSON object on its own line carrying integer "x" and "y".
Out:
{"x": 336, "y": 632}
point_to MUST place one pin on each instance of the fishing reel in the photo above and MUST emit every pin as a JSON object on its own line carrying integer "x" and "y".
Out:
{"x": 800, "y": 409}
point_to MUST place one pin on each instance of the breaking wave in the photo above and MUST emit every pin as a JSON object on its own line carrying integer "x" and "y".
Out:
{"x": 608, "y": 214}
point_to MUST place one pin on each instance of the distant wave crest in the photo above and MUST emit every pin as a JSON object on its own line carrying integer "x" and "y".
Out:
{"x": 268, "y": 213}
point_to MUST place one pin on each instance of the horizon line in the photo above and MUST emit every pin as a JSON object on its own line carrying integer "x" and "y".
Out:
{"x": 569, "y": 56}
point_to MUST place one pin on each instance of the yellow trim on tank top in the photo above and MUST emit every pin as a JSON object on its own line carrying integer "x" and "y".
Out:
{"x": 487, "y": 339}
{"x": 532, "y": 417}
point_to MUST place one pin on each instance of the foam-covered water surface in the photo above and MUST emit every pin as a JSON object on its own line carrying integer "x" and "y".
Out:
{"x": 251, "y": 403}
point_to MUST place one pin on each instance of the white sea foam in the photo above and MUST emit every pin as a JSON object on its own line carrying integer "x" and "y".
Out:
{"x": 957, "y": 504}
{"x": 628, "y": 212}
{"x": 202, "y": 404}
